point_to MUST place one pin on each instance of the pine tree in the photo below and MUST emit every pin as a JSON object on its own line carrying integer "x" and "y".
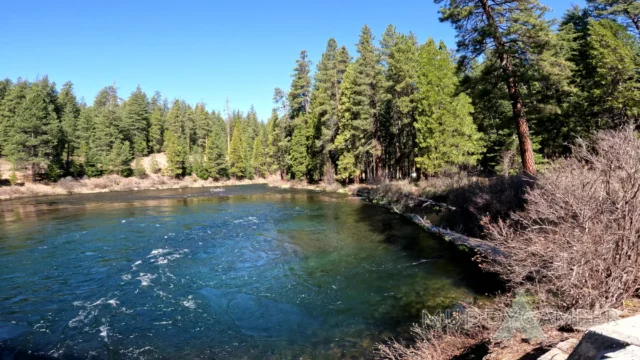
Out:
{"x": 83, "y": 129}
{"x": 69, "y": 114}
{"x": 156, "y": 123}
{"x": 298, "y": 156}
{"x": 107, "y": 122}
{"x": 118, "y": 159}
{"x": 627, "y": 9}
{"x": 135, "y": 124}
{"x": 360, "y": 95}
{"x": 202, "y": 125}
{"x": 156, "y": 129}
{"x": 613, "y": 91}
{"x": 401, "y": 58}
{"x": 175, "y": 120}
{"x": 215, "y": 153}
{"x": 34, "y": 132}
{"x": 325, "y": 103}
{"x": 13, "y": 98}
{"x": 300, "y": 93}
{"x": 514, "y": 31}
{"x": 445, "y": 132}
{"x": 250, "y": 131}
{"x": 276, "y": 152}
{"x": 176, "y": 155}
{"x": 258, "y": 160}
{"x": 237, "y": 162}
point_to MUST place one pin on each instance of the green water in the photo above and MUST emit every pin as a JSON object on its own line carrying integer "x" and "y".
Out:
{"x": 248, "y": 272}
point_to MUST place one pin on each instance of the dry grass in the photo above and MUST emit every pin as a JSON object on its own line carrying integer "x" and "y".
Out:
{"x": 275, "y": 181}
{"x": 427, "y": 345}
{"x": 577, "y": 243}
{"x": 112, "y": 183}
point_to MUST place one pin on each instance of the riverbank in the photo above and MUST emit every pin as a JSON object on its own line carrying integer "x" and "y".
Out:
{"x": 110, "y": 183}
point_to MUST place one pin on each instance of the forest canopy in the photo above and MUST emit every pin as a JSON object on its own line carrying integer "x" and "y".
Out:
{"x": 517, "y": 86}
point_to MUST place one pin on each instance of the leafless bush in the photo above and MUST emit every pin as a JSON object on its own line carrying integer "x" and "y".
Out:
{"x": 437, "y": 337}
{"x": 491, "y": 199}
{"x": 427, "y": 346}
{"x": 577, "y": 242}
{"x": 68, "y": 184}
{"x": 443, "y": 185}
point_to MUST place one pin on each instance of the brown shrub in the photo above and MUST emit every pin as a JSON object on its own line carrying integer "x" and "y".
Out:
{"x": 426, "y": 345}
{"x": 576, "y": 245}
{"x": 492, "y": 199}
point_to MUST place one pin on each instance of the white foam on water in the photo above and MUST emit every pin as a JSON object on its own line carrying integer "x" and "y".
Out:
{"x": 114, "y": 302}
{"x": 135, "y": 265}
{"x": 145, "y": 279}
{"x": 162, "y": 323}
{"x": 250, "y": 219}
{"x": 158, "y": 252}
{"x": 134, "y": 352}
{"x": 84, "y": 316}
{"x": 104, "y": 332}
{"x": 124, "y": 221}
{"x": 162, "y": 260}
{"x": 162, "y": 294}
{"x": 189, "y": 303}
{"x": 126, "y": 277}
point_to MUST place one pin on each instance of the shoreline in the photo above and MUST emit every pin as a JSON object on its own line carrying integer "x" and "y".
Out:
{"x": 112, "y": 183}
{"x": 116, "y": 183}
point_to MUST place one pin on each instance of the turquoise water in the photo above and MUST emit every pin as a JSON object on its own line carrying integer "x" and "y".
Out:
{"x": 248, "y": 272}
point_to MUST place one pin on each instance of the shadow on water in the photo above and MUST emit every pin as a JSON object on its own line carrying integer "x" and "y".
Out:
{"x": 12, "y": 353}
{"x": 454, "y": 267}
{"x": 420, "y": 245}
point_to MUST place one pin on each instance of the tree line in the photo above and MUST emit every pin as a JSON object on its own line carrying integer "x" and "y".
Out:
{"x": 518, "y": 83}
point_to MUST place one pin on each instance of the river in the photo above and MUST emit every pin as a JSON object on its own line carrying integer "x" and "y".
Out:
{"x": 246, "y": 272}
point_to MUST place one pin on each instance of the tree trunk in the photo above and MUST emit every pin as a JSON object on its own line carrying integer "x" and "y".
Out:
{"x": 517, "y": 104}
{"x": 522, "y": 128}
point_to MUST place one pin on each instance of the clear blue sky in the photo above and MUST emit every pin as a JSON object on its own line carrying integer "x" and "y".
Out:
{"x": 195, "y": 50}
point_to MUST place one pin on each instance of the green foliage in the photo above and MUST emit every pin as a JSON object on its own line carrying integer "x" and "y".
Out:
{"x": 446, "y": 134}
{"x": 277, "y": 144}
{"x": 138, "y": 169}
{"x": 400, "y": 54}
{"x": 614, "y": 89}
{"x": 135, "y": 122}
{"x": 176, "y": 155}
{"x": 156, "y": 129}
{"x": 625, "y": 10}
{"x": 258, "y": 159}
{"x": 300, "y": 93}
{"x": 34, "y": 130}
{"x": 154, "y": 166}
{"x": 359, "y": 117}
{"x": 399, "y": 108}
{"x": 215, "y": 157}
{"x": 92, "y": 165}
{"x": 298, "y": 156}
{"x": 13, "y": 178}
{"x": 237, "y": 162}
{"x": 323, "y": 125}
{"x": 69, "y": 113}
{"x": 118, "y": 159}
